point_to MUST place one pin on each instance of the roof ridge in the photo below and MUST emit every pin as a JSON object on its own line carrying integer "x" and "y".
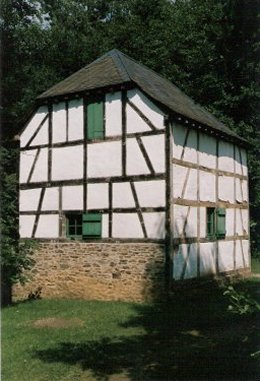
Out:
{"x": 160, "y": 76}
{"x": 115, "y": 55}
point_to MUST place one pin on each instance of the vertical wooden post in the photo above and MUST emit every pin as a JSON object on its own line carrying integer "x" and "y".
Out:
{"x": 124, "y": 99}
{"x": 198, "y": 206}
{"x": 60, "y": 213}
{"x": 50, "y": 111}
{"x": 85, "y": 136}
{"x": 235, "y": 211}
{"x": 110, "y": 211}
{"x": 169, "y": 207}
{"x": 248, "y": 211}
{"x": 67, "y": 120}
{"x": 217, "y": 202}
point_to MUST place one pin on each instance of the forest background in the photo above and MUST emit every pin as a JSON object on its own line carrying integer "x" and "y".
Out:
{"x": 208, "y": 48}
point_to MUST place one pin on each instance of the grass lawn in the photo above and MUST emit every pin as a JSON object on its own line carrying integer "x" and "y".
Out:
{"x": 255, "y": 264}
{"x": 191, "y": 337}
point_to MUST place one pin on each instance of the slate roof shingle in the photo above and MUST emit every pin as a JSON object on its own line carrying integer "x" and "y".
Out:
{"x": 114, "y": 68}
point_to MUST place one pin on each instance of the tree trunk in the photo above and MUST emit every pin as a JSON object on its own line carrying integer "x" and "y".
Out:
{"x": 6, "y": 294}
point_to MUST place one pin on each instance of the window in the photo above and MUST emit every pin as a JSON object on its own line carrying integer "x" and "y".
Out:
{"x": 94, "y": 122}
{"x": 86, "y": 226}
{"x": 210, "y": 222}
{"x": 216, "y": 223}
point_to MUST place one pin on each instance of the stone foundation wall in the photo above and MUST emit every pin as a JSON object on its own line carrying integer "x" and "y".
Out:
{"x": 102, "y": 271}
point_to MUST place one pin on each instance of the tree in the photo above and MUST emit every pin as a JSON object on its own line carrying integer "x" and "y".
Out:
{"x": 209, "y": 48}
{"x": 15, "y": 255}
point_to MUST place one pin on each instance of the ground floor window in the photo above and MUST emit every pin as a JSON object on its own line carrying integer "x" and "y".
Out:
{"x": 216, "y": 223}
{"x": 84, "y": 226}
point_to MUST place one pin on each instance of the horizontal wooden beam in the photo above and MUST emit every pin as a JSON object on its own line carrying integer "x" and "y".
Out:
{"x": 94, "y": 210}
{"x": 189, "y": 240}
{"x": 93, "y": 141}
{"x": 100, "y": 241}
{"x": 209, "y": 204}
{"x": 93, "y": 180}
{"x": 219, "y": 172}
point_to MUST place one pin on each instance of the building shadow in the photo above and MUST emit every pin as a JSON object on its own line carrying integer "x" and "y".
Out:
{"x": 191, "y": 336}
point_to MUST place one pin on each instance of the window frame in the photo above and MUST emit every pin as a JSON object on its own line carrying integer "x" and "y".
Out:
{"x": 89, "y": 107}
{"x": 215, "y": 223}
{"x": 89, "y": 218}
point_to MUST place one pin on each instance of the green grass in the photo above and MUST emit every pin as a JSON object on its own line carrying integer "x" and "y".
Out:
{"x": 255, "y": 265}
{"x": 190, "y": 337}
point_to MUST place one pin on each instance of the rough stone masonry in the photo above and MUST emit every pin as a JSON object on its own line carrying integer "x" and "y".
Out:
{"x": 101, "y": 271}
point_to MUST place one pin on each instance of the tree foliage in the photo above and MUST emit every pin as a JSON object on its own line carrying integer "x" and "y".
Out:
{"x": 15, "y": 255}
{"x": 209, "y": 48}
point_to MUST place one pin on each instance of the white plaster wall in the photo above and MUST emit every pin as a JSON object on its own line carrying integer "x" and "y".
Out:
{"x": 148, "y": 108}
{"x": 241, "y": 221}
{"x": 180, "y": 214}
{"x": 72, "y": 197}
{"x": 29, "y": 199}
{"x": 26, "y": 226}
{"x": 76, "y": 119}
{"x": 51, "y": 199}
{"x": 26, "y": 161}
{"x": 48, "y": 226}
{"x": 42, "y": 136}
{"x": 150, "y": 193}
{"x": 126, "y": 225}
{"x": 179, "y": 176}
{"x": 242, "y": 254}
{"x": 225, "y": 256}
{"x": 185, "y": 262}
{"x": 33, "y": 125}
{"x": 207, "y": 151}
{"x": 226, "y": 188}
{"x": 207, "y": 186}
{"x": 189, "y": 153}
{"x": 97, "y": 196}
{"x": 135, "y": 162}
{"x": 207, "y": 258}
{"x": 40, "y": 172}
{"x": 226, "y": 159}
{"x": 155, "y": 224}
{"x": 59, "y": 123}
{"x": 241, "y": 190}
{"x": 67, "y": 163}
{"x": 113, "y": 113}
{"x": 122, "y": 196}
{"x": 241, "y": 161}
{"x": 104, "y": 159}
{"x": 41, "y": 168}
{"x": 155, "y": 148}
{"x": 230, "y": 218}
{"x": 105, "y": 222}
{"x": 134, "y": 123}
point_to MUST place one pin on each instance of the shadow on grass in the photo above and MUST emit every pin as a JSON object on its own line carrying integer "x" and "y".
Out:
{"x": 189, "y": 337}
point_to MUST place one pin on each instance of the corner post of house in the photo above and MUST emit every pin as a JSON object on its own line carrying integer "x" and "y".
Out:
{"x": 168, "y": 204}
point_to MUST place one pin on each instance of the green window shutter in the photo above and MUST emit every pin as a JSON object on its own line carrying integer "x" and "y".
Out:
{"x": 91, "y": 225}
{"x": 210, "y": 222}
{"x": 95, "y": 120}
{"x": 221, "y": 223}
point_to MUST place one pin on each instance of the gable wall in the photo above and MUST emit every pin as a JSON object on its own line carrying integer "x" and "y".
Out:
{"x": 122, "y": 175}
{"x": 207, "y": 172}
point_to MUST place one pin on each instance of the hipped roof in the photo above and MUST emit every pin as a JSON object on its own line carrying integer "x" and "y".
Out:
{"x": 115, "y": 68}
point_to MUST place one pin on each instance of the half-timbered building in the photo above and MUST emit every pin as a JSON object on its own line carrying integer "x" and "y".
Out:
{"x": 126, "y": 182}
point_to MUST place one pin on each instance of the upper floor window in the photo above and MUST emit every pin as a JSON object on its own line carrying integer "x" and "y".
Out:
{"x": 216, "y": 223}
{"x": 94, "y": 122}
